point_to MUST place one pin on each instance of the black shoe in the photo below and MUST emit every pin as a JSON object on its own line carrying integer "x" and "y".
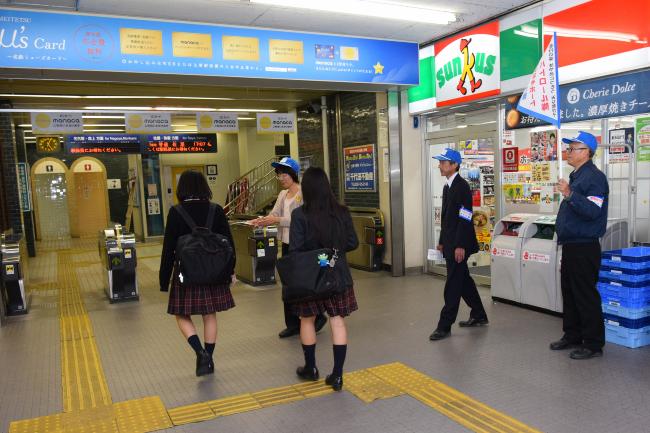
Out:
{"x": 473, "y": 322}
{"x": 321, "y": 320}
{"x": 336, "y": 382}
{"x": 204, "y": 364}
{"x": 307, "y": 373}
{"x": 563, "y": 344}
{"x": 585, "y": 353}
{"x": 289, "y": 332}
{"x": 439, "y": 334}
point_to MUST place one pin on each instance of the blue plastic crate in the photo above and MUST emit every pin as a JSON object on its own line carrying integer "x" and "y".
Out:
{"x": 631, "y": 338}
{"x": 627, "y": 323}
{"x": 627, "y": 258}
{"x": 616, "y": 309}
{"x": 632, "y": 295}
{"x": 626, "y": 275}
{"x": 615, "y": 299}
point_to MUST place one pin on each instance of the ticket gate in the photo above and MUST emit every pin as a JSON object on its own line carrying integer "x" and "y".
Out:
{"x": 117, "y": 252}
{"x": 13, "y": 294}
{"x": 539, "y": 265}
{"x": 506, "y": 255}
{"x": 256, "y": 250}
{"x": 369, "y": 226}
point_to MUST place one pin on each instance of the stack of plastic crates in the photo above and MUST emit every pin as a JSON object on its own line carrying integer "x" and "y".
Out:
{"x": 624, "y": 286}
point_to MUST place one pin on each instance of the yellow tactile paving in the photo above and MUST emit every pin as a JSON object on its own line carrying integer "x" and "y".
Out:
{"x": 142, "y": 415}
{"x": 273, "y": 396}
{"x": 233, "y": 405}
{"x": 313, "y": 389}
{"x": 368, "y": 387}
{"x": 192, "y": 413}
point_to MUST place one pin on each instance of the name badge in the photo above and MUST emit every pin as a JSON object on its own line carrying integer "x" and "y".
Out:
{"x": 465, "y": 214}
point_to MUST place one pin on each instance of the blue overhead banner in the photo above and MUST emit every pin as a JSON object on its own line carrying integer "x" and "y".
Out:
{"x": 70, "y": 41}
{"x": 622, "y": 95}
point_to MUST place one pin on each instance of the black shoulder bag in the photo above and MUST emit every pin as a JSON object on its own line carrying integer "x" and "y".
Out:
{"x": 309, "y": 275}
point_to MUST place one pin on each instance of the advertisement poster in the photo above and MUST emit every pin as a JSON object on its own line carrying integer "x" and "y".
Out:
{"x": 24, "y": 189}
{"x": 67, "y": 41}
{"x": 276, "y": 123}
{"x": 508, "y": 138}
{"x": 541, "y": 171}
{"x": 513, "y": 192}
{"x": 618, "y": 153}
{"x": 543, "y": 146}
{"x": 467, "y": 65}
{"x": 524, "y": 159}
{"x": 642, "y": 131}
{"x": 510, "y": 159}
{"x": 57, "y": 123}
{"x": 360, "y": 168}
{"x": 547, "y": 198}
{"x": 217, "y": 122}
{"x": 468, "y": 147}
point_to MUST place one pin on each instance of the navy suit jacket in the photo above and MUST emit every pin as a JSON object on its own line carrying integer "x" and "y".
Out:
{"x": 457, "y": 228}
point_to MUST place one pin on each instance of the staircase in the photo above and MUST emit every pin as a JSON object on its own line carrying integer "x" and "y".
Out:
{"x": 253, "y": 191}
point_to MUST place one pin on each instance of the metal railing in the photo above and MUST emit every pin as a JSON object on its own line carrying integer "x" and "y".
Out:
{"x": 254, "y": 190}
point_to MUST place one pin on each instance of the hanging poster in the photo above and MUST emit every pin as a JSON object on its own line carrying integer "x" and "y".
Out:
{"x": 524, "y": 159}
{"x": 618, "y": 138}
{"x": 643, "y": 131}
{"x": 276, "y": 123}
{"x": 148, "y": 122}
{"x": 468, "y": 147}
{"x": 541, "y": 171}
{"x": 217, "y": 122}
{"x": 57, "y": 123}
{"x": 513, "y": 192}
{"x": 360, "y": 168}
{"x": 510, "y": 159}
{"x": 543, "y": 146}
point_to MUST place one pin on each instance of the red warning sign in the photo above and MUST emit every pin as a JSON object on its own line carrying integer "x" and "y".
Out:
{"x": 511, "y": 159}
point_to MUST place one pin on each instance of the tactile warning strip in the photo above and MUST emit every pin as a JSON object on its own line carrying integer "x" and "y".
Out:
{"x": 233, "y": 405}
{"x": 368, "y": 387}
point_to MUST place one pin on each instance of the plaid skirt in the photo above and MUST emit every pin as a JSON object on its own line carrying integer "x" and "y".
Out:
{"x": 338, "y": 305}
{"x": 188, "y": 300}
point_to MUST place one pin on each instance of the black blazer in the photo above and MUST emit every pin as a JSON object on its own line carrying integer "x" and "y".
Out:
{"x": 456, "y": 231}
{"x": 176, "y": 227}
{"x": 302, "y": 239}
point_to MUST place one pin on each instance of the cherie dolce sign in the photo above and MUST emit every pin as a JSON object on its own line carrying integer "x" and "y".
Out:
{"x": 467, "y": 65}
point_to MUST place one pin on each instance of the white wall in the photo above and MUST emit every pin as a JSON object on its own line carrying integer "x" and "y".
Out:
{"x": 413, "y": 183}
{"x": 256, "y": 148}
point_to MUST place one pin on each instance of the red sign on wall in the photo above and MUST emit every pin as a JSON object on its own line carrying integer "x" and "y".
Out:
{"x": 510, "y": 159}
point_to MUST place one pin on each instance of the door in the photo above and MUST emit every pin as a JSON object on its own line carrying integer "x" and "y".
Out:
{"x": 435, "y": 186}
{"x": 51, "y": 197}
{"x": 90, "y": 197}
{"x": 176, "y": 175}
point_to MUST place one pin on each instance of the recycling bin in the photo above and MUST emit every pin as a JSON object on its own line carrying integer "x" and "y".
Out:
{"x": 13, "y": 296}
{"x": 506, "y": 256}
{"x": 539, "y": 264}
{"x": 256, "y": 251}
{"x": 118, "y": 255}
{"x": 369, "y": 226}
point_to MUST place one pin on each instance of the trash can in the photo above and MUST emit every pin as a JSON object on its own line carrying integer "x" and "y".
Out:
{"x": 369, "y": 226}
{"x": 256, "y": 250}
{"x": 117, "y": 252}
{"x": 13, "y": 275}
{"x": 539, "y": 265}
{"x": 506, "y": 256}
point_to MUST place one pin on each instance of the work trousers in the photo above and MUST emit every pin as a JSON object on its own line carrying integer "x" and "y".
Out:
{"x": 583, "y": 317}
{"x": 459, "y": 285}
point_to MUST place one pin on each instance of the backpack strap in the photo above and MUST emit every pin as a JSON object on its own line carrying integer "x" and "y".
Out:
{"x": 211, "y": 214}
{"x": 186, "y": 217}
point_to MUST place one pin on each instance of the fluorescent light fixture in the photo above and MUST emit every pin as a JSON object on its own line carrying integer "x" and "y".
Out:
{"x": 247, "y": 110}
{"x": 25, "y": 95}
{"x": 12, "y": 95}
{"x": 103, "y": 130}
{"x": 101, "y": 125}
{"x": 25, "y": 125}
{"x": 183, "y": 109}
{"x": 370, "y": 8}
{"x": 119, "y": 108}
{"x": 461, "y": 126}
{"x": 185, "y": 130}
{"x": 102, "y": 117}
{"x": 593, "y": 34}
{"x": 246, "y": 118}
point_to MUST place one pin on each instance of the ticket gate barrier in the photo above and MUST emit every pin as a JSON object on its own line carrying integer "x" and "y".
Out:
{"x": 117, "y": 252}
{"x": 256, "y": 251}
{"x": 369, "y": 226}
{"x": 506, "y": 256}
{"x": 13, "y": 294}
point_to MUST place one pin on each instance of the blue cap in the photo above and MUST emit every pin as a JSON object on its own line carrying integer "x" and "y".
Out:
{"x": 449, "y": 155}
{"x": 288, "y": 162}
{"x": 585, "y": 138}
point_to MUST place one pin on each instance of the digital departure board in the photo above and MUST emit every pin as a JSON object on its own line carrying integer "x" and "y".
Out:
{"x": 102, "y": 143}
{"x": 180, "y": 143}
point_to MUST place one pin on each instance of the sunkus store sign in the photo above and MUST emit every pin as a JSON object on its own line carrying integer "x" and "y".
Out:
{"x": 467, "y": 66}
{"x": 66, "y": 41}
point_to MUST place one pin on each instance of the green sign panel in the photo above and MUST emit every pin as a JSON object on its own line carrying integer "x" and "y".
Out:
{"x": 643, "y": 139}
{"x": 422, "y": 97}
{"x": 521, "y": 49}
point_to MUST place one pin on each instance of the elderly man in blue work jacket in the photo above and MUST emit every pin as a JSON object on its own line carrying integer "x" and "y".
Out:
{"x": 581, "y": 221}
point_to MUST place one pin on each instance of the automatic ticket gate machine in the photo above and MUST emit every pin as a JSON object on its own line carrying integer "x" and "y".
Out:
{"x": 506, "y": 255}
{"x": 369, "y": 226}
{"x": 256, "y": 251}
{"x": 13, "y": 275}
{"x": 117, "y": 252}
{"x": 540, "y": 265}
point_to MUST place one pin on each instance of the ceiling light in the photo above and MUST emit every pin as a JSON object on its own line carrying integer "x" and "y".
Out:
{"x": 247, "y": 110}
{"x": 118, "y": 108}
{"x": 97, "y": 125}
{"x": 461, "y": 126}
{"x": 246, "y": 118}
{"x": 372, "y": 8}
{"x": 185, "y": 130}
{"x": 25, "y": 125}
{"x": 12, "y": 95}
{"x": 183, "y": 109}
{"x": 104, "y": 130}
{"x": 102, "y": 117}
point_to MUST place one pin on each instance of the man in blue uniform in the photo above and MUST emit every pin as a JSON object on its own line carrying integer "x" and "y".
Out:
{"x": 581, "y": 221}
{"x": 457, "y": 242}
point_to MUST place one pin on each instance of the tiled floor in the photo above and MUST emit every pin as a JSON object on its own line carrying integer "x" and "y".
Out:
{"x": 507, "y": 365}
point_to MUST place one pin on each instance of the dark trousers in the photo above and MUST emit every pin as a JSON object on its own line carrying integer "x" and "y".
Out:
{"x": 291, "y": 320}
{"x": 459, "y": 285}
{"x": 583, "y": 317}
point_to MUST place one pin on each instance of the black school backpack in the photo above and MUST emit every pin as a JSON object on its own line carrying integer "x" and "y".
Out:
{"x": 202, "y": 256}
